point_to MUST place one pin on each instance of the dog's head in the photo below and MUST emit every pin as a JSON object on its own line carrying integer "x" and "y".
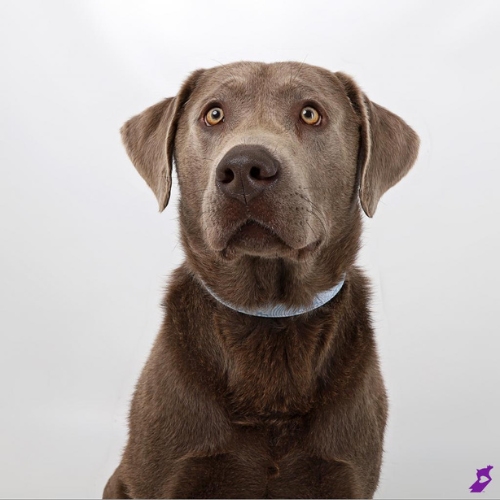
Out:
{"x": 271, "y": 158}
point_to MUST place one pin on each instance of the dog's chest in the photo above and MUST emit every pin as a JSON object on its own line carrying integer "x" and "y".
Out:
{"x": 277, "y": 434}
{"x": 272, "y": 367}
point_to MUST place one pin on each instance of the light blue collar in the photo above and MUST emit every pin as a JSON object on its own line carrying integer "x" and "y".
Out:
{"x": 281, "y": 311}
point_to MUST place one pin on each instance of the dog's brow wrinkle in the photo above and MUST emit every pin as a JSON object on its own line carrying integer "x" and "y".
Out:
{"x": 305, "y": 91}
{"x": 298, "y": 70}
{"x": 235, "y": 85}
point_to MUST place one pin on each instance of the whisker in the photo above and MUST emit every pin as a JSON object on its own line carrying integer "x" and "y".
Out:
{"x": 310, "y": 201}
{"x": 307, "y": 222}
{"x": 313, "y": 212}
{"x": 319, "y": 218}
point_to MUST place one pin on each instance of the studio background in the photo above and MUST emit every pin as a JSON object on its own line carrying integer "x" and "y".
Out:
{"x": 84, "y": 253}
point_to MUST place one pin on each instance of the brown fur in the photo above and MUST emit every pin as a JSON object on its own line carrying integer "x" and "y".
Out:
{"x": 231, "y": 405}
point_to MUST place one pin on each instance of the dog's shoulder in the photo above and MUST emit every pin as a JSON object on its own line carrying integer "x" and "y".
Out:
{"x": 183, "y": 293}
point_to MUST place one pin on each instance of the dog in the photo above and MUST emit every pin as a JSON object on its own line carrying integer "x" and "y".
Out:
{"x": 264, "y": 379}
{"x": 485, "y": 472}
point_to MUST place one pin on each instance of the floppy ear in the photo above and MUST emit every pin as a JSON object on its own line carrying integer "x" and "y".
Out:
{"x": 149, "y": 140}
{"x": 388, "y": 146}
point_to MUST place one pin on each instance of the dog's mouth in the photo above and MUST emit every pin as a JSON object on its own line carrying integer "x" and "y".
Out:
{"x": 255, "y": 234}
{"x": 255, "y": 238}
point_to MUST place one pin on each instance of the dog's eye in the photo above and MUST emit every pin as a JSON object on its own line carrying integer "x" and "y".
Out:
{"x": 310, "y": 116}
{"x": 214, "y": 116}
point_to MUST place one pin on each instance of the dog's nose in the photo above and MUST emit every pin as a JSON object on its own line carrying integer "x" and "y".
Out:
{"x": 246, "y": 171}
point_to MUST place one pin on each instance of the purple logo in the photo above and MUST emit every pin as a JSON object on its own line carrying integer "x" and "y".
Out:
{"x": 479, "y": 485}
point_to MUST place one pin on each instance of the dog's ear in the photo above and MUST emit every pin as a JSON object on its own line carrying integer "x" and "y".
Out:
{"x": 149, "y": 140}
{"x": 388, "y": 146}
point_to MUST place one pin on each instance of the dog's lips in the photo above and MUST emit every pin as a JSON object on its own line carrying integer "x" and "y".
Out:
{"x": 255, "y": 232}
{"x": 255, "y": 238}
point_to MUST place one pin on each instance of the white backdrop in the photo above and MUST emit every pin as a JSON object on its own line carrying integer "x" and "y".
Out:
{"x": 84, "y": 254}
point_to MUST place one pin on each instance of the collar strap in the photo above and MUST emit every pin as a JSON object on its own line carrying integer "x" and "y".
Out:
{"x": 282, "y": 311}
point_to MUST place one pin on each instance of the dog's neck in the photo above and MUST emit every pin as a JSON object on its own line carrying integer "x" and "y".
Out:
{"x": 270, "y": 288}
{"x": 281, "y": 310}
{"x": 250, "y": 283}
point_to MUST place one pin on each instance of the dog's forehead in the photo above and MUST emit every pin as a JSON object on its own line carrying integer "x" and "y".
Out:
{"x": 251, "y": 78}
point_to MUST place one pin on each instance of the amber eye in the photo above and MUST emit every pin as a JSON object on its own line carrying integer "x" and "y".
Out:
{"x": 214, "y": 116}
{"x": 310, "y": 116}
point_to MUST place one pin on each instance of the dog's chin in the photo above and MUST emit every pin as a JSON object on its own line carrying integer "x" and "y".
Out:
{"x": 257, "y": 240}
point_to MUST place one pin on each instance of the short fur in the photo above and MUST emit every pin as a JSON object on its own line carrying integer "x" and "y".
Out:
{"x": 231, "y": 405}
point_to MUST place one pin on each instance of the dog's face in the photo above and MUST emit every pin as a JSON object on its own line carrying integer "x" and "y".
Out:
{"x": 270, "y": 158}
